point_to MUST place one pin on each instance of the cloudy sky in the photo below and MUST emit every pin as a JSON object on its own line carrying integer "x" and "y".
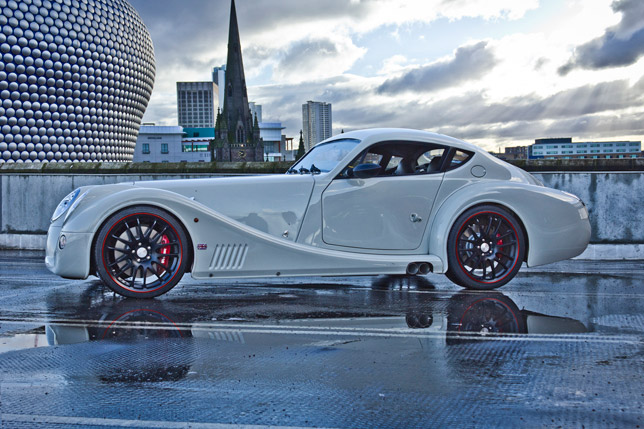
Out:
{"x": 493, "y": 72}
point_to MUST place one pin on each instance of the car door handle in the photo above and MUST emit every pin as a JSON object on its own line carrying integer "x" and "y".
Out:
{"x": 415, "y": 218}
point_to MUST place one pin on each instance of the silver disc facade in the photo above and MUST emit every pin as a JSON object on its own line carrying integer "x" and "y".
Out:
{"x": 75, "y": 80}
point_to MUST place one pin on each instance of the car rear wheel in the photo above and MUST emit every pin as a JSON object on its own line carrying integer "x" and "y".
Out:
{"x": 485, "y": 249}
{"x": 141, "y": 252}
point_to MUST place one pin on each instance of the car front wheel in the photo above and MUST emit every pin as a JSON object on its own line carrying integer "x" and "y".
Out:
{"x": 141, "y": 252}
{"x": 485, "y": 249}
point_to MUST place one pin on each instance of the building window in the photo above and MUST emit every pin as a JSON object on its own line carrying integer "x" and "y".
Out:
{"x": 146, "y": 148}
{"x": 164, "y": 148}
{"x": 240, "y": 135}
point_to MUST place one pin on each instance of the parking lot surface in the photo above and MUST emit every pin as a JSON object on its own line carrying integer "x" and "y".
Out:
{"x": 561, "y": 345}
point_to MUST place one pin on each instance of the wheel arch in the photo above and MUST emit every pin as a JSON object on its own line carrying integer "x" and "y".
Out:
{"x": 107, "y": 217}
{"x": 465, "y": 199}
{"x": 504, "y": 207}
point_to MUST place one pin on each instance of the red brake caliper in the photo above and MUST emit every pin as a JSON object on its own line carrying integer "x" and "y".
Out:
{"x": 498, "y": 243}
{"x": 164, "y": 251}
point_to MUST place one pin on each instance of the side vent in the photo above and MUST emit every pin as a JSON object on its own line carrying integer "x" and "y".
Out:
{"x": 229, "y": 257}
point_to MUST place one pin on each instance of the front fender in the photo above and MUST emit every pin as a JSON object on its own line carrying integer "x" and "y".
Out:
{"x": 552, "y": 220}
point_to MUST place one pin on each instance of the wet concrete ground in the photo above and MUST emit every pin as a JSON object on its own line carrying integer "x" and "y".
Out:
{"x": 562, "y": 345}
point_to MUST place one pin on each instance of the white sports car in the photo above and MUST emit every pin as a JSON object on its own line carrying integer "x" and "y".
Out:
{"x": 377, "y": 201}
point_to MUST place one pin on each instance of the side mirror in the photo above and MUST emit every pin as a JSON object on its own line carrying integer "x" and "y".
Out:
{"x": 365, "y": 171}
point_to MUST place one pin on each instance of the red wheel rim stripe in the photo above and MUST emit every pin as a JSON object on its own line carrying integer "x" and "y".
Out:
{"x": 515, "y": 259}
{"x": 109, "y": 271}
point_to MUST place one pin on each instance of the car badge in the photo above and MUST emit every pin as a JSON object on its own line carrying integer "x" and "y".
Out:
{"x": 202, "y": 246}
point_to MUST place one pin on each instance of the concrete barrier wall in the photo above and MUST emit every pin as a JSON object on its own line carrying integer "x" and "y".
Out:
{"x": 27, "y": 201}
{"x": 615, "y": 202}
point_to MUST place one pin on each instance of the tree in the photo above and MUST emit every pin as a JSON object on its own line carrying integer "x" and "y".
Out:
{"x": 300, "y": 148}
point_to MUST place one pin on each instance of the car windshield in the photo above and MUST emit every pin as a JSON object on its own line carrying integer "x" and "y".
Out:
{"x": 324, "y": 157}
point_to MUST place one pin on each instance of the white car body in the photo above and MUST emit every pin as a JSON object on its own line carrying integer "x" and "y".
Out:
{"x": 327, "y": 224}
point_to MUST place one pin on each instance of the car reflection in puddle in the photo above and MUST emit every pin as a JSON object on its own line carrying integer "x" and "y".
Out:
{"x": 460, "y": 316}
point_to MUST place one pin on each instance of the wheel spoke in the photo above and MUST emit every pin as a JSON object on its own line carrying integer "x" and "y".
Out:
{"x": 129, "y": 233}
{"x": 127, "y": 243}
{"x": 119, "y": 260}
{"x": 505, "y": 235}
{"x": 505, "y": 268}
{"x": 123, "y": 269}
{"x": 150, "y": 229}
{"x": 158, "y": 235}
{"x": 472, "y": 230}
{"x": 145, "y": 277}
{"x": 489, "y": 226}
{"x": 498, "y": 226}
{"x": 139, "y": 231}
{"x": 493, "y": 273}
{"x": 472, "y": 256}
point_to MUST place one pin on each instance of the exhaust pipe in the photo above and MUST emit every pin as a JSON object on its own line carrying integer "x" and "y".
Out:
{"x": 423, "y": 268}
{"x": 412, "y": 268}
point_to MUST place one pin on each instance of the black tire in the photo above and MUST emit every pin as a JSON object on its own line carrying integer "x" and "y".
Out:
{"x": 485, "y": 248}
{"x": 141, "y": 252}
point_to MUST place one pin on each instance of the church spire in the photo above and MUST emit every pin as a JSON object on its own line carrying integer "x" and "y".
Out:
{"x": 236, "y": 109}
{"x": 236, "y": 124}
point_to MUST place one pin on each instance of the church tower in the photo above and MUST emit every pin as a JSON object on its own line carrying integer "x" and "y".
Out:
{"x": 236, "y": 132}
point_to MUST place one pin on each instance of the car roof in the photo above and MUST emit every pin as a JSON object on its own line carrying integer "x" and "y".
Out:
{"x": 374, "y": 135}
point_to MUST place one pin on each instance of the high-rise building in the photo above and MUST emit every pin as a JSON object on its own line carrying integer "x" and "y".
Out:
{"x": 255, "y": 110}
{"x": 236, "y": 132}
{"x": 219, "y": 78}
{"x": 197, "y": 104}
{"x": 316, "y": 122}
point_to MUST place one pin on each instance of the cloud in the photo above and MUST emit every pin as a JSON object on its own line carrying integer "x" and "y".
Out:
{"x": 469, "y": 63}
{"x": 316, "y": 59}
{"x": 620, "y": 45}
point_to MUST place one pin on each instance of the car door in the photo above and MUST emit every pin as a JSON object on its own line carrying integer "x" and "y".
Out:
{"x": 389, "y": 211}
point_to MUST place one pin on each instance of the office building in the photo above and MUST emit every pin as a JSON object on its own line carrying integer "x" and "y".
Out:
{"x": 274, "y": 141}
{"x": 516, "y": 152}
{"x": 565, "y": 148}
{"x": 169, "y": 144}
{"x": 197, "y": 104}
{"x": 316, "y": 122}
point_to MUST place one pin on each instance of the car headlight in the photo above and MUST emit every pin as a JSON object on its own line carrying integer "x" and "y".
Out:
{"x": 70, "y": 200}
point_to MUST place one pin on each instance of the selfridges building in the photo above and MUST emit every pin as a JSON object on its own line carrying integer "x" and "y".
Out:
{"x": 75, "y": 79}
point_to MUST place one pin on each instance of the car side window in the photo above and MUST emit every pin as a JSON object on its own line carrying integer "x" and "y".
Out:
{"x": 393, "y": 162}
{"x": 397, "y": 158}
{"x": 460, "y": 157}
{"x": 372, "y": 158}
{"x": 430, "y": 161}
